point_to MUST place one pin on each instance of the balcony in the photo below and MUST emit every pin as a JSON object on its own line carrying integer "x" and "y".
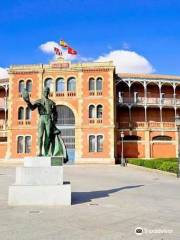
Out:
{"x": 64, "y": 94}
{"x": 146, "y": 125}
{"x": 95, "y": 120}
{"x": 60, "y": 94}
{"x": 148, "y": 101}
{"x": 24, "y": 122}
{"x": 71, "y": 94}
{"x": 95, "y": 93}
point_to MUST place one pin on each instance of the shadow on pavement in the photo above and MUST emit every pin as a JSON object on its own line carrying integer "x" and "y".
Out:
{"x": 82, "y": 197}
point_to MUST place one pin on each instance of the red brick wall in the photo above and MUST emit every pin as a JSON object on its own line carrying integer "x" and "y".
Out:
{"x": 3, "y": 147}
{"x": 163, "y": 150}
{"x": 132, "y": 150}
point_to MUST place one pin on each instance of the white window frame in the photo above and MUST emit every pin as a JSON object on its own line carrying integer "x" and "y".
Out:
{"x": 96, "y": 148}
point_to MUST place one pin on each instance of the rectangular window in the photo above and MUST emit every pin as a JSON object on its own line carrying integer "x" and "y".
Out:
{"x": 99, "y": 111}
{"x": 20, "y": 144}
{"x": 27, "y": 144}
{"x": 91, "y": 84}
{"x": 99, "y": 143}
{"x": 96, "y": 143}
{"x": 24, "y": 144}
{"x": 92, "y": 140}
{"x": 99, "y": 84}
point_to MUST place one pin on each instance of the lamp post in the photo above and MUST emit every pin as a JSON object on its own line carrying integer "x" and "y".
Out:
{"x": 122, "y": 150}
{"x": 177, "y": 120}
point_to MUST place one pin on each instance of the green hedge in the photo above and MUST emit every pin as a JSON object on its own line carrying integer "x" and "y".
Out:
{"x": 156, "y": 159}
{"x": 164, "y": 165}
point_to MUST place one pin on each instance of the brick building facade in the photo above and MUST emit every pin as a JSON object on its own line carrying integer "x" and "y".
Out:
{"x": 94, "y": 106}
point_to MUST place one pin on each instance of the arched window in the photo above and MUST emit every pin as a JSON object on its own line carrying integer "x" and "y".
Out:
{"x": 66, "y": 124}
{"x": 71, "y": 84}
{"x": 162, "y": 138}
{"x": 20, "y": 144}
{"x": 49, "y": 83}
{"x": 60, "y": 85}
{"x": 99, "y": 84}
{"x": 91, "y": 84}
{"x": 21, "y": 86}
{"x": 92, "y": 113}
{"x": 29, "y": 86}
{"x": 99, "y": 143}
{"x": 65, "y": 115}
{"x": 132, "y": 137}
{"x": 99, "y": 111}
{"x": 21, "y": 113}
{"x": 28, "y": 113}
{"x": 92, "y": 143}
{"x": 27, "y": 144}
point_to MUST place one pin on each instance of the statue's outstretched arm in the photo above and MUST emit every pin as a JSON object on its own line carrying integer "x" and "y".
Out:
{"x": 32, "y": 106}
{"x": 26, "y": 98}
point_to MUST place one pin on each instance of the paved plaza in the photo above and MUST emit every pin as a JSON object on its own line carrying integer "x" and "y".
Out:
{"x": 108, "y": 202}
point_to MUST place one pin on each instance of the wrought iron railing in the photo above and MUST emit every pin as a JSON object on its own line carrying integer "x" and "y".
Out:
{"x": 126, "y": 125}
{"x": 148, "y": 101}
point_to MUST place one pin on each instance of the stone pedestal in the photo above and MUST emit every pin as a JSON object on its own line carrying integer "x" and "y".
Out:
{"x": 40, "y": 182}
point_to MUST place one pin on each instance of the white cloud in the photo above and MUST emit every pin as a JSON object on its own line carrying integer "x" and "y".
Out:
{"x": 3, "y": 73}
{"x": 48, "y": 47}
{"x": 124, "y": 60}
{"x": 84, "y": 59}
{"x": 127, "y": 61}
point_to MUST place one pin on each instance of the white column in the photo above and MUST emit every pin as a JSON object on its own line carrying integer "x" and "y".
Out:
{"x": 145, "y": 102}
{"x": 161, "y": 114}
{"x": 145, "y": 113}
{"x": 160, "y": 96}
{"x": 175, "y": 112}
{"x": 129, "y": 93}
{"x": 135, "y": 97}
{"x": 174, "y": 95}
{"x": 145, "y": 94}
{"x": 130, "y": 117}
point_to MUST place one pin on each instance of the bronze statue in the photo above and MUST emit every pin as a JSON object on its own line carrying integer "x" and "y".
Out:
{"x": 48, "y": 134}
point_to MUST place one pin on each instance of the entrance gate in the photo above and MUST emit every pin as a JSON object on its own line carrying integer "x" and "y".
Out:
{"x": 66, "y": 123}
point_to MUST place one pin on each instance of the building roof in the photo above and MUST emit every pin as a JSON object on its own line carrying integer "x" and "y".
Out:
{"x": 62, "y": 64}
{"x": 148, "y": 76}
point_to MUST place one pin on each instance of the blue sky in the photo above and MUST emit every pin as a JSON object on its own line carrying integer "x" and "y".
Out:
{"x": 150, "y": 28}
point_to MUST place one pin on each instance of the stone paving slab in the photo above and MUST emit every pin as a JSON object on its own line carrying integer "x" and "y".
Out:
{"x": 108, "y": 202}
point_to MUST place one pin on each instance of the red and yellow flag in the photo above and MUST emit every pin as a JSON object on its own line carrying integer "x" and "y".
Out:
{"x": 57, "y": 51}
{"x": 62, "y": 43}
{"x": 72, "y": 51}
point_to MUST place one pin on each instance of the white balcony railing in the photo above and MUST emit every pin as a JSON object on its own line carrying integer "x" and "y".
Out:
{"x": 148, "y": 101}
{"x": 126, "y": 125}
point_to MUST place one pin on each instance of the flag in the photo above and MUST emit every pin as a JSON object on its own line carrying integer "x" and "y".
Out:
{"x": 72, "y": 51}
{"x": 57, "y": 51}
{"x": 62, "y": 43}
